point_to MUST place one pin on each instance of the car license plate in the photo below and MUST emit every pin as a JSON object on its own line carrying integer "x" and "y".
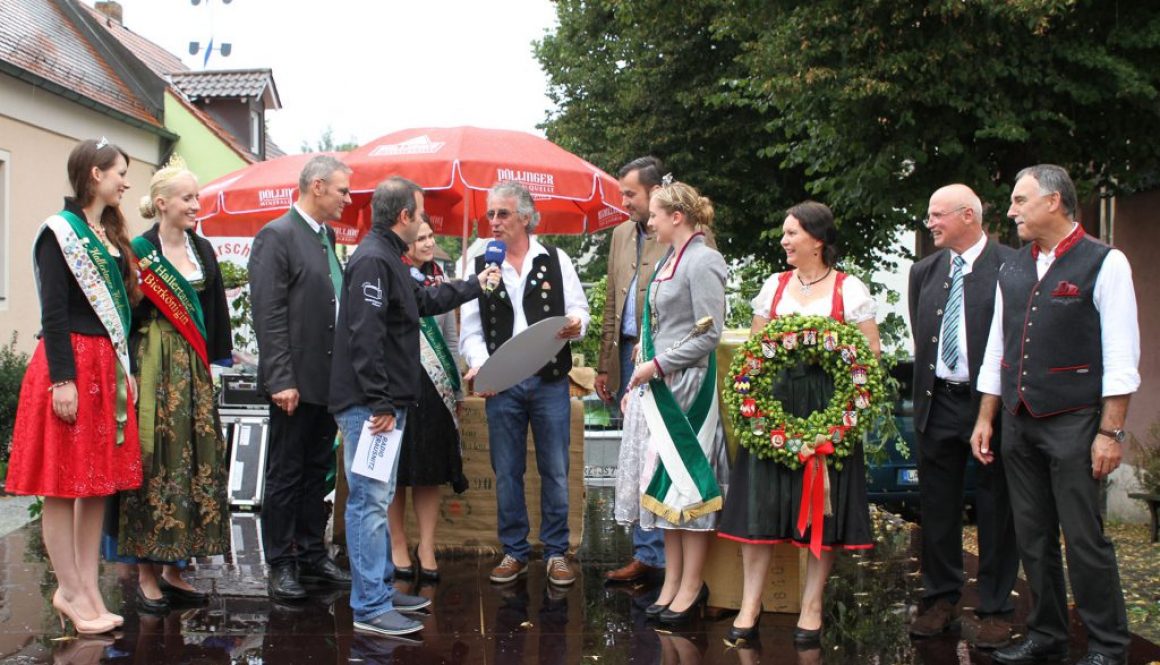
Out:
{"x": 908, "y": 476}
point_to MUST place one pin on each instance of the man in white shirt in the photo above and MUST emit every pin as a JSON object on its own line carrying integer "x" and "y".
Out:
{"x": 952, "y": 295}
{"x": 537, "y": 282}
{"x": 1062, "y": 359}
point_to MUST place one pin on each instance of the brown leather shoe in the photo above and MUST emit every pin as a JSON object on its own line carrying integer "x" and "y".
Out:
{"x": 989, "y": 632}
{"x": 632, "y": 571}
{"x": 508, "y": 569}
{"x": 935, "y": 619}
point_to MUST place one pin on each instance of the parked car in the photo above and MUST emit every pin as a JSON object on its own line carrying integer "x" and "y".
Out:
{"x": 893, "y": 482}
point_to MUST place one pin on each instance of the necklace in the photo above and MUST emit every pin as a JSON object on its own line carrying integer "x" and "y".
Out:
{"x": 805, "y": 286}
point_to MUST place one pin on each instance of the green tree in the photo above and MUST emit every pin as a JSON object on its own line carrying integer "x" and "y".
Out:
{"x": 326, "y": 143}
{"x": 867, "y": 105}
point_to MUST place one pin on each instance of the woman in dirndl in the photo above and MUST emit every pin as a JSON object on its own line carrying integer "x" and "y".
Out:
{"x": 75, "y": 437}
{"x": 431, "y": 454}
{"x": 765, "y": 496}
{"x": 672, "y": 466}
{"x": 180, "y": 328}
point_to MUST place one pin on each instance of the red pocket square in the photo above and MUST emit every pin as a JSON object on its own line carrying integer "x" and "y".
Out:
{"x": 1065, "y": 289}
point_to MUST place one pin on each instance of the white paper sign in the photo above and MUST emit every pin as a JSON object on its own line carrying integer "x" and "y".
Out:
{"x": 377, "y": 454}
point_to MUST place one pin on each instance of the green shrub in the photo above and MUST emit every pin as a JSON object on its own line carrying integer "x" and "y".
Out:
{"x": 12, "y": 366}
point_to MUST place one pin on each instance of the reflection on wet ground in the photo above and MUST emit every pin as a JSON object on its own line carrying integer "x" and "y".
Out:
{"x": 474, "y": 621}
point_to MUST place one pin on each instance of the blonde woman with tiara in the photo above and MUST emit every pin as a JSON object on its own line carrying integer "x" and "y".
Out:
{"x": 180, "y": 328}
{"x": 673, "y": 466}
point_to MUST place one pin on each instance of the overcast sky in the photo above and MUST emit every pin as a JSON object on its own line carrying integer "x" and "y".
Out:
{"x": 369, "y": 67}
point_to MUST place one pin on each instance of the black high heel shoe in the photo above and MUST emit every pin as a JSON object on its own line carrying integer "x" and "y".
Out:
{"x": 654, "y": 611}
{"x": 698, "y": 607}
{"x": 743, "y": 637}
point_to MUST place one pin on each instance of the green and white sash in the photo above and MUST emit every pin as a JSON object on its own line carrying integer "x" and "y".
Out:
{"x": 438, "y": 362}
{"x": 96, "y": 272}
{"x": 683, "y": 487}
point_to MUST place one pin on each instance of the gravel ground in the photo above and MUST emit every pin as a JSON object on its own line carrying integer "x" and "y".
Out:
{"x": 1139, "y": 562}
{"x": 13, "y": 512}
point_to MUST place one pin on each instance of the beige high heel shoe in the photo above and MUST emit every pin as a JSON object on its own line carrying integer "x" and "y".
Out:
{"x": 117, "y": 619}
{"x": 83, "y": 626}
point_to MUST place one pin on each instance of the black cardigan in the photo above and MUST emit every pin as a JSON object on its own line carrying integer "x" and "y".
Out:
{"x": 219, "y": 338}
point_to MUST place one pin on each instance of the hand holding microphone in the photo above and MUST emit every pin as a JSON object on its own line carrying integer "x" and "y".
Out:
{"x": 493, "y": 257}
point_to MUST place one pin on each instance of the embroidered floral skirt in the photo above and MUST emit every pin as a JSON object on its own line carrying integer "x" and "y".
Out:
{"x": 53, "y": 458}
{"x": 765, "y": 496}
{"x": 181, "y": 509}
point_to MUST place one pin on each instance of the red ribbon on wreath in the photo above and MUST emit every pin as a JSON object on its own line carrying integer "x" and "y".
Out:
{"x": 815, "y": 502}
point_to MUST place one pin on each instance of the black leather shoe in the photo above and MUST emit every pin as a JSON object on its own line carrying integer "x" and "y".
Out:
{"x": 146, "y": 605}
{"x": 284, "y": 583}
{"x": 654, "y": 611}
{"x": 428, "y": 575}
{"x": 324, "y": 571}
{"x": 668, "y": 616}
{"x": 1097, "y": 658}
{"x": 1030, "y": 650}
{"x": 178, "y": 596}
{"x": 742, "y": 638}
{"x": 803, "y": 637}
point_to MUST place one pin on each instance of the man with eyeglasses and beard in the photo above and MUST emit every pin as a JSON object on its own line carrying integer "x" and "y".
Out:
{"x": 538, "y": 282}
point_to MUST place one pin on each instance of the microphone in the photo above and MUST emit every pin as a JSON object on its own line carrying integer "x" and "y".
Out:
{"x": 494, "y": 255}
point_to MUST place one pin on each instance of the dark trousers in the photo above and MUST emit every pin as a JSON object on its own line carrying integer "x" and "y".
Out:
{"x": 1049, "y": 471}
{"x": 298, "y": 459}
{"x": 943, "y": 452}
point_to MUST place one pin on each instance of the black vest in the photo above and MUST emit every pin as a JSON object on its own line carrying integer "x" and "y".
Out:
{"x": 1052, "y": 355}
{"x": 543, "y": 298}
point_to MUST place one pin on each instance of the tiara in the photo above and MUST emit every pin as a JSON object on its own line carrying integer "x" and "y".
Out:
{"x": 102, "y": 142}
{"x": 667, "y": 179}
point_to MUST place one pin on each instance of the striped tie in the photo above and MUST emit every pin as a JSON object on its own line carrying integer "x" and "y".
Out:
{"x": 950, "y": 327}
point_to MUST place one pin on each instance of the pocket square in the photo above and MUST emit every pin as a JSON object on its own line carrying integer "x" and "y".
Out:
{"x": 1065, "y": 289}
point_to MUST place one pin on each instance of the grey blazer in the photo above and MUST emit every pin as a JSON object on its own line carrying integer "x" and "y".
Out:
{"x": 696, "y": 290}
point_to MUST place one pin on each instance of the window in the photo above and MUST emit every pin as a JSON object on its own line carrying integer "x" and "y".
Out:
{"x": 256, "y": 133}
{"x": 5, "y": 258}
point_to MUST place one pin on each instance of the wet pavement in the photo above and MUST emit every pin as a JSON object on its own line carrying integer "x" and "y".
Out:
{"x": 868, "y": 605}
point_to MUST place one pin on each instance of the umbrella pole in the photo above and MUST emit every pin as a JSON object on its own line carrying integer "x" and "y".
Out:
{"x": 463, "y": 236}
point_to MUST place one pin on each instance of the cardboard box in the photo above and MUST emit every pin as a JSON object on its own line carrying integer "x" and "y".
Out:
{"x": 468, "y": 520}
{"x": 783, "y": 582}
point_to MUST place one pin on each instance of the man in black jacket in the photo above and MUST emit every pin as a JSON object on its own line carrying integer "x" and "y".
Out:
{"x": 375, "y": 378}
{"x": 952, "y": 296}
{"x": 294, "y": 279}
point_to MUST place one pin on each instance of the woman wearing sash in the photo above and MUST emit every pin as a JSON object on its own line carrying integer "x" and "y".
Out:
{"x": 673, "y": 466}
{"x": 75, "y": 438}
{"x": 431, "y": 454}
{"x": 181, "y": 326}
{"x": 763, "y": 506}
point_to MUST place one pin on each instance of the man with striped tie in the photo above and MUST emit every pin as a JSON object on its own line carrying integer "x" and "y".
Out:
{"x": 952, "y": 297}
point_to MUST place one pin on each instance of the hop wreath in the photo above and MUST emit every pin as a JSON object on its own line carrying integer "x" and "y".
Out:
{"x": 760, "y": 421}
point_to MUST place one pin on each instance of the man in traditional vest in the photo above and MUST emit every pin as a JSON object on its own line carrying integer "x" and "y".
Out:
{"x": 1062, "y": 360}
{"x": 632, "y": 256}
{"x": 537, "y": 282}
{"x": 952, "y": 298}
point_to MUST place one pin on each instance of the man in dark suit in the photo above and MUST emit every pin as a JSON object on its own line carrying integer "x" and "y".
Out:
{"x": 294, "y": 276}
{"x": 952, "y": 297}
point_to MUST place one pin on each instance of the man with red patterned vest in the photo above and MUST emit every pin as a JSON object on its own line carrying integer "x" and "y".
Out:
{"x": 1062, "y": 358}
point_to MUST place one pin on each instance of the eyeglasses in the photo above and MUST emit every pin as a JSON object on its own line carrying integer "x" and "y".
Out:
{"x": 501, "y": 214}
{"x": 932, "y": 217}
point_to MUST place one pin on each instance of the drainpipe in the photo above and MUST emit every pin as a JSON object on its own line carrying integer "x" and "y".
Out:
{"x": 1107, "y": 215}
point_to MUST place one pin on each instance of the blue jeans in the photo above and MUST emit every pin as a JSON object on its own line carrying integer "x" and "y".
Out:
{"x": 546, "y": 405}
{"x": 368, "y": 540}
{"x": 648, "y": 547}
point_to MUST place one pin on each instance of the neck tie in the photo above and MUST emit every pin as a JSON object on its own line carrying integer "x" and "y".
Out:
{"x": 950, "y": 324}
{"x": 332, "y": 258}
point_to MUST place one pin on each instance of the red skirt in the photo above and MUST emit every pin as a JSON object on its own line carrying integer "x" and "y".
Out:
{"x": 52, "y": 458}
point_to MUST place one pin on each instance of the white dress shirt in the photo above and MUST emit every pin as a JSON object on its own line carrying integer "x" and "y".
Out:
{"x": 1115, "y": 300}
{"x": 962, "y": 371}
{"x": 471, "y": 342}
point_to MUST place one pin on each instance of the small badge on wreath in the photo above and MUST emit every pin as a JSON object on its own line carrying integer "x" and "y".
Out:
{"x": 790, "y": 440}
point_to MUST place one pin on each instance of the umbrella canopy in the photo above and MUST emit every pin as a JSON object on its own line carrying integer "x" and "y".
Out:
{"x": 456, "y": 166}
{"x": 242, "y": 202}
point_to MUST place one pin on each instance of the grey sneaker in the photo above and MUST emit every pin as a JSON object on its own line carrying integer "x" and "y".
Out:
{"x": 559, "y": 572}
{"x": 389, "y": 623}
{"x": 407, "y": 603}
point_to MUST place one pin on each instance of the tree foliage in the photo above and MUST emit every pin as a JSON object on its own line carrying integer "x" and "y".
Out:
{"x": 866, "y": 105}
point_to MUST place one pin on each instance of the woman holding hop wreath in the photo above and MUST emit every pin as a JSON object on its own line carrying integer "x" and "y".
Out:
{"x": 672, "y": 460}
{"x": 798, "y": 387}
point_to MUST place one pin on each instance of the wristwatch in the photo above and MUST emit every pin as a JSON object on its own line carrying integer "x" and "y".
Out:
{"x": 1118, "y": 435}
